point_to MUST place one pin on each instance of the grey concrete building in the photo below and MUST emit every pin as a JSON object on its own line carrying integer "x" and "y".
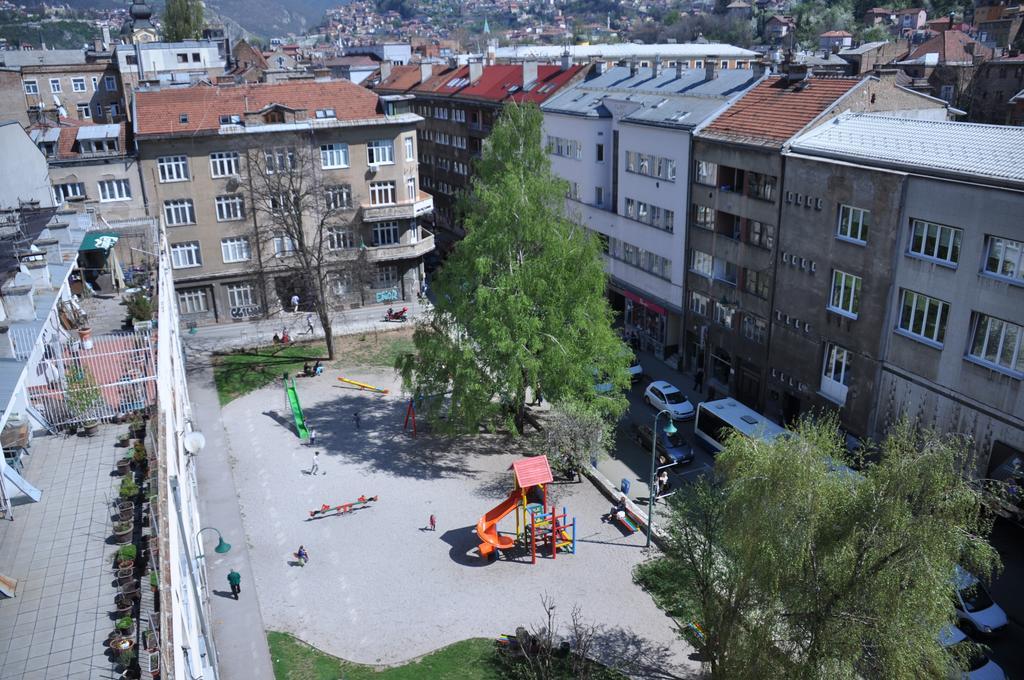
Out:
{"x": 916, "y": 306}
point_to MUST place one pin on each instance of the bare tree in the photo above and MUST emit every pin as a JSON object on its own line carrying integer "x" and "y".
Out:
{"x": 306, "y": 228}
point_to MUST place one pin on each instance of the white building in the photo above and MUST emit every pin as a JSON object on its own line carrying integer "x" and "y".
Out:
{"x": 26, "y": 177}
{"x": 691, "y": 55}
{"x": 622, "y": 140}
{"x": 396, "y": 54}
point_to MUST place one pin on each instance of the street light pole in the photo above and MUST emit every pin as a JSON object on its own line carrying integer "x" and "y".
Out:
{"x": 670, "y": 429}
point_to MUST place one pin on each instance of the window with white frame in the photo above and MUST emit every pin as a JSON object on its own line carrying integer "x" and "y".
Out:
{"x": 387, "y": 276}
{"x": 699, "y": 303}
{"x": 241, "y": 295}
{"x": 185, "y": 255}
{"x": 566, "y": 148}
{"x": 55, "y": 85}
{"x": 853, "y": 224}
{"x": 172, "y": 168}
{"x": 230, "y": 207}
{"x": 761, "y": 186}
{"x": 179, "y": 211}
{"x": 935, "y": 241}
{"x": 997, "y": 343}
{"x": 651, "y": 165}
{"x": 755, "y": 329}
{"x": 724, "y": 314}
{"x": 702, "y": 263}
{"x": 31, "y": 86}
{"x": 84, "y": 111}
{"x": 95, "y": 83}
{"x": 192, "y": 301}
{"x": 338, "y": 197}
{"x": 280, "y": 159}
{"x": 78, "y": 84}
{"x": 385, "y": 234}
{"x": 223, "y": 163}
{"x": 235, "y": 249}
{"x": 410, "y": 148}
{"x": 115, "y": 190}
{"x": 341, "y": 238}
{"x": 922, "y": 316}
{"x": 380, "y": 151}
{"x": 333, "y": 156}
{"x": 284, "y": 245}
{"x": 704, "y": 217}
{"x": 706, "y": 173}
{"x": 285, "y": 203}
{"x": 845, "y": 296}
{"x": 1005, "y": 257}
{"x": 110, "y": 83}
{"x": 410, "y": 188}
{"x": 69, "y": 191}
{"x": 382, "y": 193}
{"x": 760, "y": 234}
{"x": 459, "y": 115}
{"x": 835, "y": 373}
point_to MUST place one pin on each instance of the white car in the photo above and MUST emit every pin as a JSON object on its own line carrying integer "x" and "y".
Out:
{"x": 979, "y": 665}
{"x": 974, "y": 606}
{"x": 666, "y": 397}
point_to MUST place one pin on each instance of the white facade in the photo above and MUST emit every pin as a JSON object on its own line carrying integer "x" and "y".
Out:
{"x": 174, "y": 62}
{"x": 23, "y": 167}
{"x": 397, "y": 54}
{"x": 691, "y": 54}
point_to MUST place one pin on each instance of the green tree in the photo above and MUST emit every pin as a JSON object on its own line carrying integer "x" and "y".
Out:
{"x": 795, "y": 566}
{"x": 521, "y": 301}
{"x": 573, "y": 434}
{"x": 183, "y": 20}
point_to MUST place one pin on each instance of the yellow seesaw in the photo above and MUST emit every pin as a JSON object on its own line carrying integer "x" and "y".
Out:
{"x": 363, "y": 386}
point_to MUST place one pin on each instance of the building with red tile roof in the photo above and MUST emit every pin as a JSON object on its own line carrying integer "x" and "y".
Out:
{"x": 945, "y": 65}
{"x": 953, "y": 47}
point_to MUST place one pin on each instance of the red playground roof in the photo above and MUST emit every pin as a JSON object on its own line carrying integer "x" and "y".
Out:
{"x": 532, "y": 471}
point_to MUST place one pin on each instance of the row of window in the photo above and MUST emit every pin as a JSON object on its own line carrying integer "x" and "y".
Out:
{"x": 78, "y": 84}
{"x": 443, "y": 113}
{"x": 440, "y": 186}
{"x": 640, "y": 258}
{"x": 85, "y": 112}
{"x": 757, "y": 185}
{"x": 457, "y": 141}
{"x": 109, "y": 190}
{"x": 447, "y": 164}
{"x": 566, "y": 148}
{"x": 760, "y": 234}
{"x": 651, "y": 165}
{"x": 662, "y": 218}
{"x": 754, "y": 328}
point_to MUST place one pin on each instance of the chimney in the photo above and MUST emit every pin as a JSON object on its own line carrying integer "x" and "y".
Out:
{"x": 476, "y": 71}
{"x": 97, "y": 45}
{"x": 19, "y": 301}
{"x": 566, "y": 60}
{"x": 680, "y": 67}
{"x": 385, "y": 70}
{"x": 321, "y": 74}
{"x": 655, "y": 66}
{"x": 51, "y": 247}
{"x": 492, "y": 52}
{"x": 709, "y": 68}
{"x": 529, "y": 72}
{"x": 426, "y": 71}
{"x": 758, "y": 68}
{"x": 39, "y": 270}
{"x": 224, "y": 80}
{"x": 632, "y": 66}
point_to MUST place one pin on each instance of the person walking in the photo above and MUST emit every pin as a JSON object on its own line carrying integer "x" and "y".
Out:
{"x": 433, "y": 523}
{"x": 316, "y": 463}
{"x": 355, "y": 419}
{"x": 309, "y": 325}
{"x": 698, "y": 380}
{"x": 312, "y": 439}
{"x": 662, "y": 482}
{"x": 295, "y": 303}
{"x": 235, "y": 581}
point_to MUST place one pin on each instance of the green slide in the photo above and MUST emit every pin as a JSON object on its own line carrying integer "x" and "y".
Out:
{"x": 293, "y": 401}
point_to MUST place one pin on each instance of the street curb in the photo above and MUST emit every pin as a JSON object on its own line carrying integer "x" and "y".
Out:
{"x": 612, "y": 493}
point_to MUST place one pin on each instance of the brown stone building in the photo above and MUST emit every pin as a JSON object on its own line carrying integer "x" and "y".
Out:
{"x": 78, "y": 84}
{"x": 945, "y": 65}
{"x": 995, "y": 84}
{"x": 200, "y": 148}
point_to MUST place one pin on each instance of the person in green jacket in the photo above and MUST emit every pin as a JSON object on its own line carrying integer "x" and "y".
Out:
{"x": 235, "y": 580}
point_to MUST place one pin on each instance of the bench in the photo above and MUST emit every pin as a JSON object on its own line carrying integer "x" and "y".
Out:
{"x": 628, "y": 520}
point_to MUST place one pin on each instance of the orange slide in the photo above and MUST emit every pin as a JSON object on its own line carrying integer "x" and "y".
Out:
{"x": 487, "y": 527}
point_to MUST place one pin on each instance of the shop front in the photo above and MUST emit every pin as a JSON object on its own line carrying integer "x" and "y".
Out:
{"x": 649, "y": 326}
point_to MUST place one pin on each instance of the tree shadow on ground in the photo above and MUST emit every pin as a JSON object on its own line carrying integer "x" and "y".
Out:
{"x": 622, "y": 649}
{"x": 463, "y": 542}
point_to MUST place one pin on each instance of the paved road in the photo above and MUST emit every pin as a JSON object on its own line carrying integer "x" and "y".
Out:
{"x": 1008, "y": 591}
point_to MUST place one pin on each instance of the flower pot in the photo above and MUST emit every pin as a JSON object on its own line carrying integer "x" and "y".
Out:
{"x": 123, "y": 532}
{"x": 90, "y": 427}
{"x": 125, "y": 576}
{"x": 129, "y": 588}
{"x": 125, "y": 511}
{"x": 124, "y": 465}
{"x": 85, "y": 335}
{"x": 121, "y": 644}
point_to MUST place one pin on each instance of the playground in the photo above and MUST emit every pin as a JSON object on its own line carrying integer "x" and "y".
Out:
{"x": 380, "y": 587}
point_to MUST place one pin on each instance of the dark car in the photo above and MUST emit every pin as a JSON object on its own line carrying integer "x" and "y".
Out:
{"x": 670, "y": 447}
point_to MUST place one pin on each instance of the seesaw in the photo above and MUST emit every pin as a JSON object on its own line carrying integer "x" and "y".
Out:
{"x": 360, "y": 502}
{"x": 363, "y": 386}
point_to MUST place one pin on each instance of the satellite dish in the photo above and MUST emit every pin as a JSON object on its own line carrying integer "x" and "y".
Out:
{"x": 194, "y": 442}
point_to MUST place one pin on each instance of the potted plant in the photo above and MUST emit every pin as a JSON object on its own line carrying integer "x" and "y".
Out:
{"x": 83, "y": 396}
{"x": 154, "y": 664}
{"x": 126, "y": 556}
{"x": 124, "y": 625}
{"x": 137, "y": 426}
{"x": 123, "y": 465}
{"x": 123, "y": 532}
{"x": 85, "y": 335}
{"x": 154, "y": 580}
{"x": 129, "y": 489}
{"x": 139, "y": 452}
{"x": 123, "y": 604}
{"x": 122, "y": 439}
{"x": 125, "y": 576}
{"x": 125, "y": 657}
{"x": 125, "y": 510}
{"x": 131, "y": 588}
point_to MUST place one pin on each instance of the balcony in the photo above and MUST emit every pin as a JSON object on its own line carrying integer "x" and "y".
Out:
{"x": 405, "y": 210}
{"x": 402, "y": 251}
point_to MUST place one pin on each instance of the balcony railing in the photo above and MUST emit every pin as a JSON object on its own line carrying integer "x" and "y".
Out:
{"x": 406, "y": 210}
{"x": 402, "y": 251}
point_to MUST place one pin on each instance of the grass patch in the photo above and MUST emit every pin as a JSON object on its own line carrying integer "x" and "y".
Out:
{"x": 242, "y": 372}
{"x": 467, "y": 660}
{"x": 375, "y": 348}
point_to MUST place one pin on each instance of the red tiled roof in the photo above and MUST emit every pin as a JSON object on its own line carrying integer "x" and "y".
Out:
{"x": 775, "y": 110}
{"x": 405, "y": 78}
{"x": 69, "y": 133}
{"x": 950, "y": 46}
{"x": 532, "y": 471}
{"x": 501, "y": 83}
{"x": 159, "y": 112}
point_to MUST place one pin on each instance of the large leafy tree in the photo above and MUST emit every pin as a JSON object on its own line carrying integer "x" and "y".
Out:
{"x": 183, "y": 20}
{"x": 520, "y": 303}
{"x": 795, "y": 566}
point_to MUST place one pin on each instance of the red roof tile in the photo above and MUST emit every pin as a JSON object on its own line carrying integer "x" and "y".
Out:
{"x": 159, "y": 112}
{"x": 775, "y": 110}
{"x": 950, "y": 46}
{"x": 404, "y": 78}
{"x": 501, "y": 83}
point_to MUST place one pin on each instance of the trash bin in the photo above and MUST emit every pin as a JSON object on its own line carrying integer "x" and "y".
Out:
{"x": 624, "y": 487}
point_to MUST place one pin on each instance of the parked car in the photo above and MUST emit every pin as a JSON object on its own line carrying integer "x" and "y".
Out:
{"x": 636, "y": 371}
{"x": 666, "y": 397}
{"x": 670, "y": 447}
{"x": 974, "y": 606}
{"x": 976, "y": 663}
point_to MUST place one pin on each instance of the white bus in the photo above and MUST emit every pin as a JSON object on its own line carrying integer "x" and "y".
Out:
{"x": 716, "y": 419}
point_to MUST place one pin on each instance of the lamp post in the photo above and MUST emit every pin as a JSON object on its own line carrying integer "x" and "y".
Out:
{"x": 669, "y": 429}
{"x": 222, "y": 545}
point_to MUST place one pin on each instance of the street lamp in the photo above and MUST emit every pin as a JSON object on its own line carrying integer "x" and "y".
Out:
{"x": 669, "y": 429}
{"x": 222, "y": 545}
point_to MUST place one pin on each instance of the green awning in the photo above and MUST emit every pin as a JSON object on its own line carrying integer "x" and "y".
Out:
{"x": 98, "y": 241}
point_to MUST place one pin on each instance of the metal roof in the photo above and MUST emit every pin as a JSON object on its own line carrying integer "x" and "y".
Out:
{"x": 970, "y": 150}
{"x": 662, "y": 100}
{"x": 41, "y": 57}
{"x": 626, "y": 50}
{"x": 51, "y": 134}
{"x": 99, "y": 132}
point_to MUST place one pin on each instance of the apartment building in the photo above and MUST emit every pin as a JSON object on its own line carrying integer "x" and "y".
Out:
{"x": 915, "y": 302}
{"x": 737, "y": 212}
{"x": 622, "y": 141}
{"x": 691, "y": 55}
{"x": 200, "y": 149}
{"x": 92, "y": 168}
{"x": 460, "y": 106}
{"x": 77, "y": 84}
{"x": 995, "y": 85}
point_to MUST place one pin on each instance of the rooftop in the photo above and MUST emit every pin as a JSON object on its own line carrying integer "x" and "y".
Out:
{"x": 69, "y": 131}
{"x": 863, "y": 49}
{"x": 777, "y": 109}
{"x": 626, "y": 50}
{"x": 41, "y": 57}
{"x": 161, "y": 112}
{"x": 403, "y": 78}
{"x": 664, "y": 99}
{"x": 972, "y": 151}
{"x": 952, "y": 48}
{"x": 500, "y": 83}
